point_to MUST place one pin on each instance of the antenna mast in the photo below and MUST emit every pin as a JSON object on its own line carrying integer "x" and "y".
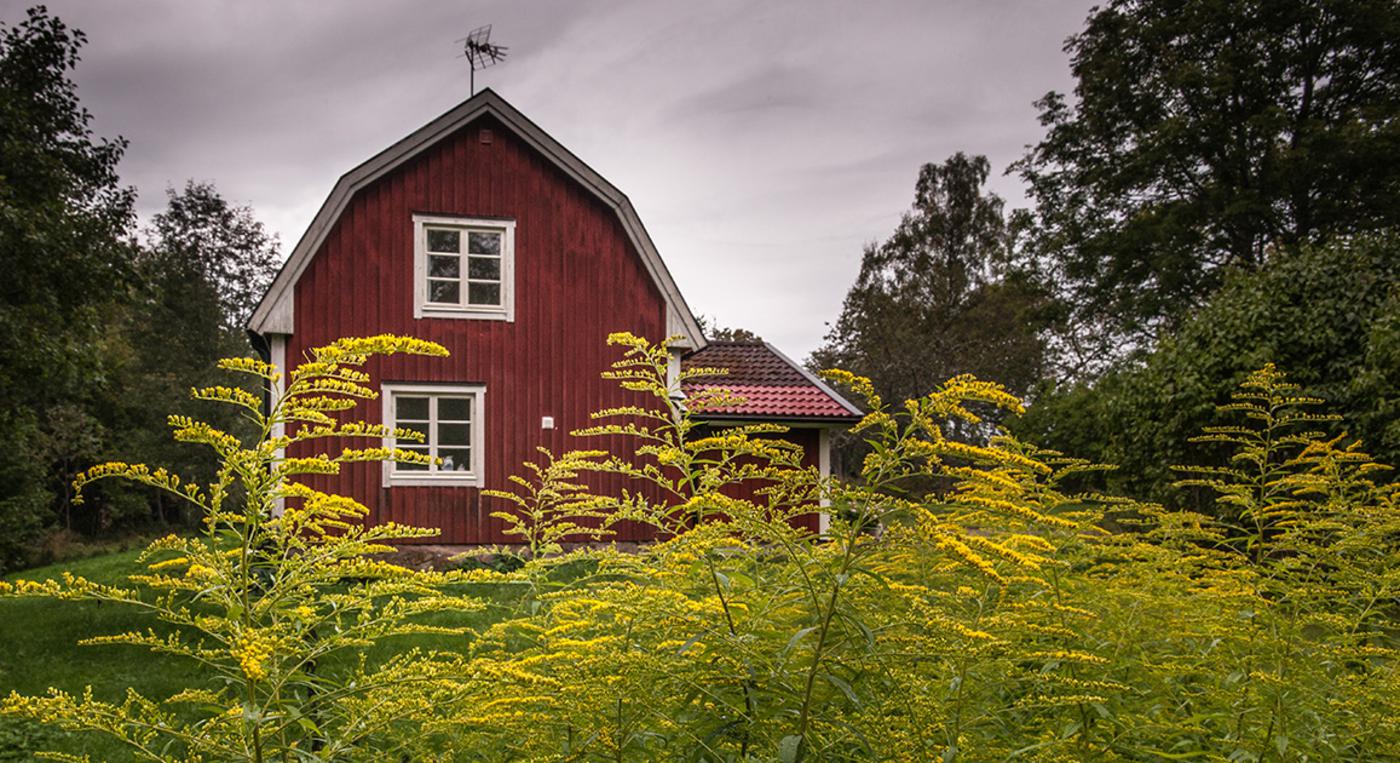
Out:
{"x": 479, "y": 52}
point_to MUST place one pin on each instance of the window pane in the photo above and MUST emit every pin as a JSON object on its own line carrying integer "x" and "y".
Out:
{"x": 484, "y": 267}
{"x": 454, "y": 409}
{"x": 454, "y": 434}
{"x": 440, "y": 240}
{"x": 484, "y": 293}
{"x": 455, "y": 459}
{"x": 444, "y": 291}
{"x": 407, "y": 467}
{"x": 483, "y": 243}
{"x": 410, "y": 408}
{"x": 445, "y": 267}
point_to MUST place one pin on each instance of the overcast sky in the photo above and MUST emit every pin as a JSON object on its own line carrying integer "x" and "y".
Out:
{"x": 762, "y": 143}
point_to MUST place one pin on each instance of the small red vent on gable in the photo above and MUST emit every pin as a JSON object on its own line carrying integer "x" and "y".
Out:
{"x": 487, "y": 136}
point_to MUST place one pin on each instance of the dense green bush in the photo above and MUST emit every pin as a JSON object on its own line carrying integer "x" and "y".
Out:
{"x": 1330, "y": 315}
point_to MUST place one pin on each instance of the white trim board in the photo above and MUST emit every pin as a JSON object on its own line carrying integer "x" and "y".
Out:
{"x": 275, "y": 314}
{"x": 422, "y": 308}
{"x": 824, "y": 469}
{"x": 391, "y": 476}
{"x": 277, "y": 354}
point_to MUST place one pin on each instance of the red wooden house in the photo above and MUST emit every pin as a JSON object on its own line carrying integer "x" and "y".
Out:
{"x": 482, "y": 233}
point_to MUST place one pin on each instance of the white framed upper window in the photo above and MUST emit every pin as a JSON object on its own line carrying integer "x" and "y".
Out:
{"x": 463, "y": 268}
{"x": 452, "y": 424}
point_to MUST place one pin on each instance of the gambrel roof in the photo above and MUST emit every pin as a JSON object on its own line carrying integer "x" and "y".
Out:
{"x": 275, "y": 314}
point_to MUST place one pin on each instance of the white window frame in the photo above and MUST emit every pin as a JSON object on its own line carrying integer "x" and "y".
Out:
{"x": 422, "y": 308}
{"x": 393, "y": 476}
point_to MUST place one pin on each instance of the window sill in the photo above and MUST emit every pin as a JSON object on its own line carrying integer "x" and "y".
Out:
{"x": 412, "y": 479}
{"x": 464, "y": 313}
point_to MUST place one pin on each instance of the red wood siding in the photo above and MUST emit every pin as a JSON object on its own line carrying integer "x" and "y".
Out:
{"x": 810, "y": 440}
{"x": 577, "y": 279}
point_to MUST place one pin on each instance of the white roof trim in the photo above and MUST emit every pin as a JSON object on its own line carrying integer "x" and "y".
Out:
{"x": 274, "y": 314}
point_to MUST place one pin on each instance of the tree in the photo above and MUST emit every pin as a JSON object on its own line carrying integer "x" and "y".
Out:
{"x": 201, "y": 235}
{"x": 1328, "y": 315}
{"x": 716, "y": 333}
{"x": 204, "y": 264}
{"x": 64, "y": 250}
{"x": 943, "y": 295}
{"x": 1203, "y": 136}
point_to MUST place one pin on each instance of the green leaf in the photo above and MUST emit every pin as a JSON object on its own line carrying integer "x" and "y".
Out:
{"x": 798, "y": 636}
{"x": 788, "y": 748}
{"x": 845, "y": 688}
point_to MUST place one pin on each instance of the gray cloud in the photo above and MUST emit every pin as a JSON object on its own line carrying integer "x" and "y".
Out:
{"x": 762, "y": 143}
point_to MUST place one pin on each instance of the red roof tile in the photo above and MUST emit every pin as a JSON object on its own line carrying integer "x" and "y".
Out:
{"x": 771, "y": 385}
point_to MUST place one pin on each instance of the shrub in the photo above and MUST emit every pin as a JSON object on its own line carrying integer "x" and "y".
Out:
{"x": 280, "y": 608}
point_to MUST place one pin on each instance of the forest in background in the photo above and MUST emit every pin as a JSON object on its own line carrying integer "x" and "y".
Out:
{"x": 1219, "y": 191}
{"x": 105, "y": 325}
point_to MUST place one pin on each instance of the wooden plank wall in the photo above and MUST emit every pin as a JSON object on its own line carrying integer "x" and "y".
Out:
{"x": 577, "y": 280}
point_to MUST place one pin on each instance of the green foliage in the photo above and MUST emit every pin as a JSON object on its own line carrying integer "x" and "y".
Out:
{"x": 279, "y": 609}
{"x": 674, "y": 454}
{"x": 1202, "y": 136}
{"x": 745, "y": 636}
{"x": 1272, "y": 630}
{"x": 62, "y": 216}
{"x": 1331, "y": 313}
{"x": 941, "y": 297}
{"x": 175, "y": 325}
{"x": 552, "y": 507}
{"x": 24, "y": 503}
{"x": 99, "y": 336}
{"x": 202, "y": 239}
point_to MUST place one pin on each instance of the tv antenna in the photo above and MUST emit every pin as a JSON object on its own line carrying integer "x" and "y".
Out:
{"x": 479, "y": 52}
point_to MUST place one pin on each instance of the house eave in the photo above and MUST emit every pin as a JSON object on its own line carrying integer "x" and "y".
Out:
{"x": 787, "y": 420}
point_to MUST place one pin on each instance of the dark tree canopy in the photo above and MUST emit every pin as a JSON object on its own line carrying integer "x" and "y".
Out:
{"x": 1204, "y": 134}
{"x": 64, "y": 216}
{"x": 64, "y": 253}
{"x": 716, "y": 333}
{"x": 100, "y": 337}
{"x": 201, "y": 235}
{"x": 936, "y": 300}
{"x": 1328, "y": 315}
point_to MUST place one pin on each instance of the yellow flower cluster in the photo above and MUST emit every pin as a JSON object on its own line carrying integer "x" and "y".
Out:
{"x": 250, "y": 366}
{"x": 222, "y": 394}
{"x": 252, "y": 651}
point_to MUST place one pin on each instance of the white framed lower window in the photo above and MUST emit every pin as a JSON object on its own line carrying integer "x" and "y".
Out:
{"x": 450, "y": 418}
{"x": 463, "y": 267}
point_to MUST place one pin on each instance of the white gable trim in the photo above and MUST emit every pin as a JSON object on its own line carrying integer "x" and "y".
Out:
{"x": 275, "y": 314}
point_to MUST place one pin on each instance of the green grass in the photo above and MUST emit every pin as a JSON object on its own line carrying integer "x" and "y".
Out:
{"x": 39, "y": 649}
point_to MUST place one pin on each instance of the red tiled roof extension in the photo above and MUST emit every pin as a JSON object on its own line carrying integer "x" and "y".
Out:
{"x": 771, "y": 385}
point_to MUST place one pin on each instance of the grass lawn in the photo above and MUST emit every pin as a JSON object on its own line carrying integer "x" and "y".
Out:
{"x": 38, "y": 649}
